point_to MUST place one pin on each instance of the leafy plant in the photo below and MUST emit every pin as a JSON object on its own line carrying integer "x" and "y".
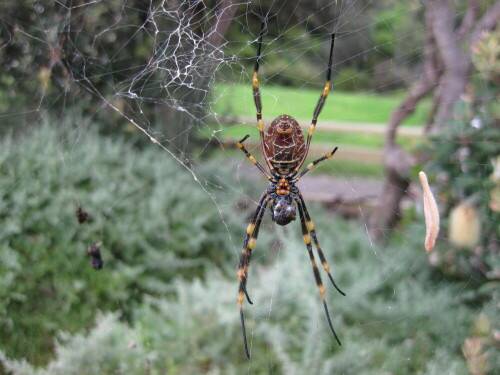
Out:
{"x": 154, "y": 220}
{"x": 399, "y": 317}
{"x": 464, "y": 160}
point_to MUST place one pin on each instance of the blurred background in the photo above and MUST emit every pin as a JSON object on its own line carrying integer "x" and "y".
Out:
{"x": 118, "y": 123}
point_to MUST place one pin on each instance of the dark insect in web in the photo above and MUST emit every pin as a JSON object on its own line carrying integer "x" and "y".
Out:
{"x": 94, "y": 252}
{"x": 81, "y": 215}
{"x": 284, "y": 151}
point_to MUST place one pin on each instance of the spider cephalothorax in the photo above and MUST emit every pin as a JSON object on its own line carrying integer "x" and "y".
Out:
{"x": 285, "y": 151}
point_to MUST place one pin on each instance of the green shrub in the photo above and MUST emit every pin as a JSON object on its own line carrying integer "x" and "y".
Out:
{"x": 395, "y": 33}
{"x": 464, "y": 157}
{"x": 351, "y": 79}
{"x": 168, "y": 290}
{"x": 399, "y": 317}
{"x": 155, "y": 222}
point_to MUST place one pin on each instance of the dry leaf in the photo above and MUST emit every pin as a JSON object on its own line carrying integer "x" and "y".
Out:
{"x": 431, "y": 214}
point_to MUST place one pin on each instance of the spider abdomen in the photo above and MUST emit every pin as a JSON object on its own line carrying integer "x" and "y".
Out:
{"x": 284, "y": 144}
{"x": 283, "y": 211}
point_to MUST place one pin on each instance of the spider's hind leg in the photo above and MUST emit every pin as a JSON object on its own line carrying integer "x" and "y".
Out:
{"x": 248, "y": 244}
{"x": 310, "y": 226}
{"x": 317, "y": 276}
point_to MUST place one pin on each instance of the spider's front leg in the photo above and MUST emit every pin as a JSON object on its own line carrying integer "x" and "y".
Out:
{"x": 319, "y": 106}
{"x": 248, "y": 244}
{"x": 314, "y": 163}
{"x": 251, "y": 158}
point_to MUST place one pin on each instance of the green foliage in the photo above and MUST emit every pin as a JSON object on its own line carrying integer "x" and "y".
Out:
{"x": 60, "y": 57}
{"x": 34, "y": 73}
{"x": 296, "y": 43}
{"x": 392, "y": 321}
{"x": 399, "y": 316}
{"x": 397, "y": 29}
{"x": 463, "y": 154}
{"x": 397, "y": 33}
{"x": 464, "y": 157}
{"x": 153, "y": 218}
{"x": 351, "y": 79}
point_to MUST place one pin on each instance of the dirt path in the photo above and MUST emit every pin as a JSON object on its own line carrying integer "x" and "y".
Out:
{"x": 334, "y": 190}
{"x": 349, "y": 195}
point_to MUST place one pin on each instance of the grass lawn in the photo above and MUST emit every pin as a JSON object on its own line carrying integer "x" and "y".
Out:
{"x": 236, "y": 132}
{"x": 320, "y": 136}
{"x": 236, "y": 100}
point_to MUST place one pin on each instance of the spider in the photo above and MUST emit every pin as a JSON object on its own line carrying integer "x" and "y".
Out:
{"x": 284, "y": 151}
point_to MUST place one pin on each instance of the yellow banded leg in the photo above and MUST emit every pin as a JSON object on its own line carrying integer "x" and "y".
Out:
{"x": 317, "y": 276}
{"x": 255, "y": 78}
{"x": 319, "y": 106}
{"x": 312, "y": 231}
{"x": 315, "y": 162}
{"x": 251, "y": 158}
{"x": 248, "y": 244}
{"x": 256, "y": 94}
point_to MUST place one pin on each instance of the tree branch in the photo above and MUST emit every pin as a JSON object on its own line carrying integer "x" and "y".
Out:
{"x": 489, "y": 21}
{"x": 419, "y": 89}
{"x": 444, "y": 31}
{"x": 456, "y": 63}
{"x": 470, "y": 17}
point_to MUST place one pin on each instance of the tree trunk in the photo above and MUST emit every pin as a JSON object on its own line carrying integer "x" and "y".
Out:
{"x": 457, "y": 64}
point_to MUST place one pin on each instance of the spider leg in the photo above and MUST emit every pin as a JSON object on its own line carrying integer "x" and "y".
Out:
{"x": 317, "y": 276}
{"x": 248, "y": 244}
{"x": 321, "y": 102}
{"x": 317, "y": 161}
{"x": 256, "y": 93}
{"x": 310, "y": 226}
{"x": 251, "y": 158}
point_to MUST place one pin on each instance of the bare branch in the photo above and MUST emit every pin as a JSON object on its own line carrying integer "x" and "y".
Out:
{"x": 419, "y": 89}
{"x": 489, "y": 21}
{"x": 470, "y": 18}
{"x": 443, "y": 15}
{"x": 457, "y": 64}
{"x": 436, "y": 101}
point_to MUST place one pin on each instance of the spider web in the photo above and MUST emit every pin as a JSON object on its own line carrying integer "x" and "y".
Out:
{"x": 171, "y": 96}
